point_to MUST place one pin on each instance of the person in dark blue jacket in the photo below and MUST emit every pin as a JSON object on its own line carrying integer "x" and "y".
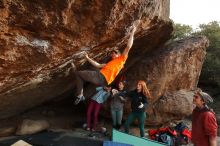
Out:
{"x": 138, "y": 98}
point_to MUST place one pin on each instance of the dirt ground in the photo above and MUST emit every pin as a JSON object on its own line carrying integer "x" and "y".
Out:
{"x": 68, "y": 118}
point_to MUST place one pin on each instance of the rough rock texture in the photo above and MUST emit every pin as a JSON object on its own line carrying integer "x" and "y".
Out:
{"x": 38, "y": 38}
{"x": 168, "y": 70}
{"x": 172, "y": 106}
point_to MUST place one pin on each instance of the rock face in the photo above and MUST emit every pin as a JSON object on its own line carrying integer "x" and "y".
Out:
{"x": 166, "y": 71}
{"x": 170, "y": 68}
{"x": 38, "y": 39}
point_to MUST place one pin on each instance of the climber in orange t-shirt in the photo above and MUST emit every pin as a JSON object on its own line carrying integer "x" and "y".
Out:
{"x": 108, "y": 72}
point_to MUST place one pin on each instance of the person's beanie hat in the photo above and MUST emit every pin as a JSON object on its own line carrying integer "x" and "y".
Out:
{"x": 205, "y": 96}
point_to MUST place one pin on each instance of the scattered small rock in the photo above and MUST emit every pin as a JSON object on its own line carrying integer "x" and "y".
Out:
{"x": 21, "y": 143}
{"x": 31, "y": 127}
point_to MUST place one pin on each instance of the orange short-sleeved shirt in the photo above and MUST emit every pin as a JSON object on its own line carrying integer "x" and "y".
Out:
{"x": 112, "y": 68}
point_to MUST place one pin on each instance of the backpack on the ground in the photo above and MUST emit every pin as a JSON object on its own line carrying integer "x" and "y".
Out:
{"x": 183, "y": 134}
{"x": 165, "y": 135}
{"x": 179, "y": 135}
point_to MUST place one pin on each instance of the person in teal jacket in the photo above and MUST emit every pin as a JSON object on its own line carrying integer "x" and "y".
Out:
{"x": 138, "y": 99}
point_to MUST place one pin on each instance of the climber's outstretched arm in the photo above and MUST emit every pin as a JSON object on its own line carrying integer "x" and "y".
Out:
{"x": 131, "y": 39}
{"x": 93, "y": 62}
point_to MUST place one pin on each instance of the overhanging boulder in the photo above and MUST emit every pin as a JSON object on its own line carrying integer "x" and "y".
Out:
{"x": 39, "y": 38}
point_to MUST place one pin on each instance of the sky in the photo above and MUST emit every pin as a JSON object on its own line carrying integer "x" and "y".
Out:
{"x": 194, "y": 12}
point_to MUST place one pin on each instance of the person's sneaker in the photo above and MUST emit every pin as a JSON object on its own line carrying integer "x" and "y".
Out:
{"x": 93, "y": 130}
{"x": 103, "y": 129}
{"x": 84, "y": 126}
{"x": 118, "y": 127}
{"x": 78, "y": 99}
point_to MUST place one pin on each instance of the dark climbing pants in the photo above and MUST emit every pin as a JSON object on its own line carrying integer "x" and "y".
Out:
{"x": 94, "y": 77}
{"x": 141, "y": 119}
